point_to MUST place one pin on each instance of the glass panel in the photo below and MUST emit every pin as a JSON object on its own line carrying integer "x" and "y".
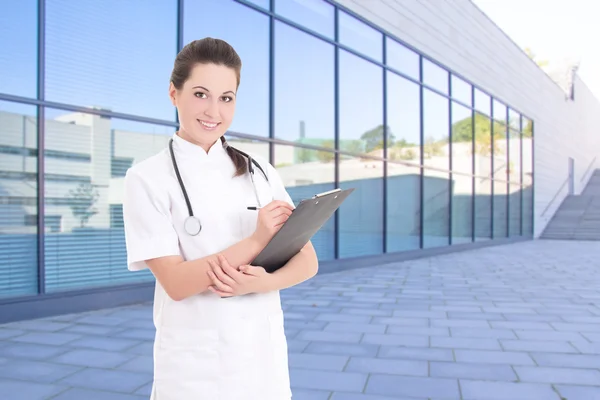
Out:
{"x": 252, "y": 45}
{"x": 514, "y": 156}
{"x": 360, "y": 37}
{"x": 86, "y": 159}
{"x": 402, "y": 59}
{"x": 527, "y": 153}
{"x": 482, "y": 102}
{"x": 123, "y": 63}
{"x": 361, "y": 214}
{"x": 500, "y": 209}
{"x": 261, "y": 3}
{"x": 436, "y": 189}
{"x": 18, "y": 200}
{"x": 514, "y": 209}
{"x": 316, "y": 15}
{"x": 500, "y": 142}
{"x": 461, "y": 91}
{"x": 18, "y": 47}
{"x": 304, "y": 72}
{"x": 462, "y": 181}
{"x": 483, "y": 172}
{"x": 305, "y": 172}
{"x": 514, "y": 119}
{"x": 404, "y": 120}
{"x": 435, "y": 76}
{"x": 403, "y": 207}
{"x": 361, "y": 108}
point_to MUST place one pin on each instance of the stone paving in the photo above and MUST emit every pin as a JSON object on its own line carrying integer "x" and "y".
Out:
{"x": 520, "y": 321}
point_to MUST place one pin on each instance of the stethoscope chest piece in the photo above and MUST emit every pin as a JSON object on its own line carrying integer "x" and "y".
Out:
{"x": 192, "y": 225}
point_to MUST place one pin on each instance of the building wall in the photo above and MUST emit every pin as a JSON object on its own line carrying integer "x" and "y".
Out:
{"x": 459, "y": 35}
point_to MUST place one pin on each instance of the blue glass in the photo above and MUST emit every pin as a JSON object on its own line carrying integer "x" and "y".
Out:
{"x": 435, "y": 76}
{"x": 18, "y": 47}
{"x": 304, "y": 90}
{"x": 86, "y": 159}
{"x": 266, "y": 4}
{"x": 113, "y": 54}
{"x": 18, "y": 205}
{"x": 360, "y": 37}
{"x": 436, "y": 161}
{"x": 482, "y": 103}
{"x": 483, "y": 175}
{"x": 316, "y": 15}
{"x": 527, "y": 176}
{"x": 461, "y": 91}
{"x": 514, "y": 209}
{"x": 404, "y": 140}
{"x": 402, "y": 58}
{"x": 251, "y": 43}
{"x": 304, "y": 173}
{"x": 501, "y": 170}
{"x": 462, "y": 168}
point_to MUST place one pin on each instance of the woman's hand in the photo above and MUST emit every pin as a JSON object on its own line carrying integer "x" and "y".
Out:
{"x": 270, "y": 219}
{"x": 228, "y": 281}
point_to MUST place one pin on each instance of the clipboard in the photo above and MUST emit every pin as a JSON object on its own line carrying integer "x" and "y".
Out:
{"x": 306, "y": 219}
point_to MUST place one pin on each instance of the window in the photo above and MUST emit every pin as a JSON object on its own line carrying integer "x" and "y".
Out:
{"x": 304, "y": 173}
{"x": 482, "y": 103}
{"x": 527, "y": 174}
{"x": 404, "y": 147}
{"x": 116, "y": 55}
{"x": 514, "y": 173}
{"x": 18, "y": 200}
{"x": 435, "y": 76}
{"x": 88, "y": 203}
{"x": 462, "y": 180}
{"x": 500, "y": 170}
{"x": 483, "y": 174}
{"x": 360, "y": 37}
{"x": 402, "y": 59}
{"x": 18, "y": 47}
{"x": 361, "y": 215}
{"x": 261, "y": 3}
{"x": 316, "y": 15}
{"x": 304, "y": 89}
{"x": 515, "y": 197}
{"x": 436, "y": 189}
{"x": 252, "y": 45}
{"x": 461, "y": 91}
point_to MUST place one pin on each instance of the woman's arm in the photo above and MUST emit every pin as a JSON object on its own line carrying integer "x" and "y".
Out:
{"x": 300, "y": 268}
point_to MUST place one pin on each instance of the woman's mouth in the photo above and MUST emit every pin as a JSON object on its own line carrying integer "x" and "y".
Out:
{"x": 207, "y": 125}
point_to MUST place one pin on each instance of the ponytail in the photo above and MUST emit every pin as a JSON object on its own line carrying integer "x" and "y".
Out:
{"x": 240, "y": 162}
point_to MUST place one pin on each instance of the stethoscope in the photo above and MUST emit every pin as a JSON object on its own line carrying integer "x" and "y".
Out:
{"x": 192, "y": 224}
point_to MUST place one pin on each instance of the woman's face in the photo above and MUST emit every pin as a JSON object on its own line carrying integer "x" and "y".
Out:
{"x": 205, "y": 103}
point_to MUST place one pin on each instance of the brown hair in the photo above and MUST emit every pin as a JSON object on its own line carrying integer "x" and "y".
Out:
{"x": 210, "y": 51}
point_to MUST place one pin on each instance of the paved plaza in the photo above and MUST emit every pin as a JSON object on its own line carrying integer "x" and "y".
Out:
{"x": 519, "y": 321}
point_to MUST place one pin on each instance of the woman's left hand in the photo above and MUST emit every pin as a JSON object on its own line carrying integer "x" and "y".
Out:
{"x": 228, "y": 281}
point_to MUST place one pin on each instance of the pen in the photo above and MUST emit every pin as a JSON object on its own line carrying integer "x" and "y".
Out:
{"x": 254, "y": 208}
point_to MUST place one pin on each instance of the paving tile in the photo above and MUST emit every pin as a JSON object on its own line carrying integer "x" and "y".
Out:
{"x": 475, "y": 371}
{"x": 493, "y": 357}
{"x": 571, "y": 392}
{"x": 587, "y": 348}
{"x": 465, "y": 343}
{"x": 138, "y": 364}
{"x": 549, "y": 335}
{"x": 354, "y": 327}
{"x": 101, "y": 320}
{"x": 141, "y": 334}
{"x": 369, "y": 312}
{"x": 86, "y": 329}
{"x": 387, "y": 366}
{"x": 349, "y": 318}
{"x": 326, "y": 380}
{"x": 110, "y": 380}
{"x": 572, "y": 327}
{"x": 390, "y": 385}
{"x": 30, "y": 351}
{"x": 51, "y": 338}
{"x": 412, "y": 330}
{"x": 398, "y": 321}
{"x": 362, "y": 350}
{"x": 477, "y": 390}
{"x": 361, "y": 396}
{"x": 575, "y": 376}
{"x": 460, "y": 323}
{"x": 28, "y": 390}
{"x": 521, "y": 325}
{"x": 93, "y": 358}
{"x": 41, "y": 325}
{"x": 416, "y": 353}
{"x": 36, "y": 371}
{"x": 145, "y": 390}
{"x": 7, "y": 333}
{"x": 87, "y": 394}
{"x": 567, "y": 360}
{"x": 533, "y": 345}
{"x": 308, "y": 325}
{"x": 104, "y": 343}
{"x": 317, "y": 361}
{"x": 308, "y": 394}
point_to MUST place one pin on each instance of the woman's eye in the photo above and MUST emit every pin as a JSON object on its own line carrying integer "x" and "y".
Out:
{"x": 227, "y": 99}
{"x": 200, "y": 95}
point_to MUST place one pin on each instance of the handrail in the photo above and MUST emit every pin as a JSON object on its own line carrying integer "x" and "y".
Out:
{"x": 555, "y": 196}
{"x": 588, "y": 169}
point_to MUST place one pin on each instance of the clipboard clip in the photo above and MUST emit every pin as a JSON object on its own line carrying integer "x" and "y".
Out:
{"x": 316, "y": 196}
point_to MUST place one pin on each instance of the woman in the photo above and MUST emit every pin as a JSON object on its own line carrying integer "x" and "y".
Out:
{"x": 219, "y": 322}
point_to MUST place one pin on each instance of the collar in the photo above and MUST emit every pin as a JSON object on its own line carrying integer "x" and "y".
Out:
{"x": 183, "y": 148}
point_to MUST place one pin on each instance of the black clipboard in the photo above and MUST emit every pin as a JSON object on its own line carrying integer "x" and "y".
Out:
{"x": 306, "y": 219}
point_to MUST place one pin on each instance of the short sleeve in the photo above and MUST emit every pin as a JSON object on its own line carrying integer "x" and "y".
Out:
{"x": 277, "y": 186}
{"x": 149, "y": 232}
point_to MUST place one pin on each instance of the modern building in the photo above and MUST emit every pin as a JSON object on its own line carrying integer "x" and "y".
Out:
{"x": 452, "y": 136}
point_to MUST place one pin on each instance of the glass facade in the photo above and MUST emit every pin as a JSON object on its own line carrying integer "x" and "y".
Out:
{"x": 329, "y": 99}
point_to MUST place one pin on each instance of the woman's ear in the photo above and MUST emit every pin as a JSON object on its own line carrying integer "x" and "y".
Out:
{"x": 173, "y": 94}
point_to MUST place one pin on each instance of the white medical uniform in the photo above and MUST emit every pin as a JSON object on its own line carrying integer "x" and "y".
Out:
{"x": 206, "y": 347}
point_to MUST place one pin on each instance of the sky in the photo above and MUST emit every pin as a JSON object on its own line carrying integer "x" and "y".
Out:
{"x": 554, "y": 30}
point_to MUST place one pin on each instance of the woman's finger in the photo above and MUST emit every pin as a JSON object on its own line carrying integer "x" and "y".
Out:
{"x": 218, "y": 270}
{"x": 229, "y": 270}
{"x": 220, "y": 293}
{"x": 218, "y": 283}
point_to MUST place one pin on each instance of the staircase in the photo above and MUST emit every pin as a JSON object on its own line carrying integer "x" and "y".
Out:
{"x": 578, "y": 217}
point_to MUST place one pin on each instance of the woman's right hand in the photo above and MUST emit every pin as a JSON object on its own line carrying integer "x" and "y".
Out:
{"x": 270, "y": 219}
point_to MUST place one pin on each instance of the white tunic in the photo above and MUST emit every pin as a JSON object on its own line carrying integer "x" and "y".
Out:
{"x": 206, "y": 347}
